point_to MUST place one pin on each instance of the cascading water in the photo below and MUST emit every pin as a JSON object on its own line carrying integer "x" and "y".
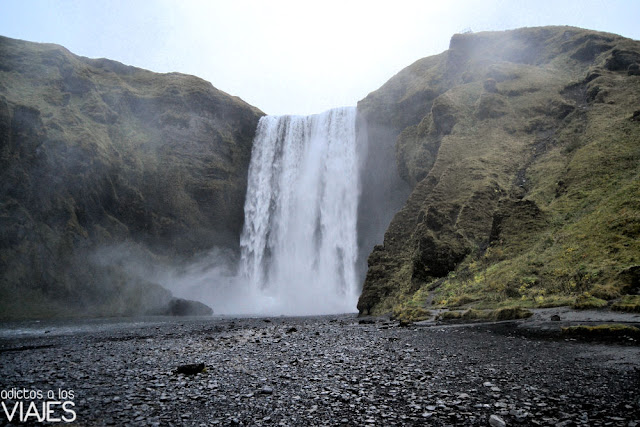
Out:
{"x": 299, "y": 243}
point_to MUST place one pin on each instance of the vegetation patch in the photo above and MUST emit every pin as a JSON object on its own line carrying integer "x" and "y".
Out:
{"x": 628, "y": 303}
{"x": 554, "y": 301}
{"x": 461, "y": 300}
{"x": 524, "y": 189}
{"x": 408, "y": 313}
{"x": 511, "y": 313}
{"x": 450, "y": 315}
{"x": 508, "y": 313}
{"x": 586, "y": 301}
{"x": 606, "y": 292}
{"x": 605, "y": 331}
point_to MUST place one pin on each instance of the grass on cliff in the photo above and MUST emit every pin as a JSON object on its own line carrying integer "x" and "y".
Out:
{"x": 561, "y": 169}
{"x": 587, "y": 301}
{"x": 410, "y": 313}
{"x": 592, "y": 236}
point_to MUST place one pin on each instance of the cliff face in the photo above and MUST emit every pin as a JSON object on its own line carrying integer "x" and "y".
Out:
{"x": 522, "y": 150}
{"x": 95, "y": 153}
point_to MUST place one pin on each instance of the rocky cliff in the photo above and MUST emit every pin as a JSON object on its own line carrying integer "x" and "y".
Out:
{"x": 522, "y": 151}
{"x": 94, "y": 154}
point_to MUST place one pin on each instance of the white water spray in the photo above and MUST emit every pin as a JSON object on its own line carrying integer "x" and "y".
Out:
{"x": 299, "y": 243}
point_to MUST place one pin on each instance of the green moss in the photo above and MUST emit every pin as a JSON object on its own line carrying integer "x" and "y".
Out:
{"x": 605, "y": 331}
{"x": 587, "y": 301}
{"x": 628, "y": 303}
{"x": 528, "y": 195}
{"x": 606, "y": 292}
{"x": 554, "y": 301}
{"x": 509, "y": 313}
{"x": 461, "y": 300}
{"x": 408, "y": 313}
{"x": 450, "y": 315}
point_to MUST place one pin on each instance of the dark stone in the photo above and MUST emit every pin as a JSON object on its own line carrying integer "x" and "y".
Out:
{"x": 190, "y": 369}
{"x": 443, "y": 115}
{"x": 633, "y": 70}
{"x": 620, "y": 60}
{"x": 182, "y": 307}
{"x": 496, "y": 421}
{"x": 266, "y": 390}
{"x": 630, "y": 277}
{"x": 555, "y": 318}
{"x": 590, "y": 50}
{"x": 437, "y": 256}
{"x": 291, "y": 330}
{"x": 592, "y": 76}
{"x": 595, "y": 93}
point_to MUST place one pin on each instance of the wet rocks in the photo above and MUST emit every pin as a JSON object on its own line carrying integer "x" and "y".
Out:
{"x": 350, "y": 374}
{"x": 496, "y": 421}
{"x": 183, "y": 307}
{"x": 266, "y": 390}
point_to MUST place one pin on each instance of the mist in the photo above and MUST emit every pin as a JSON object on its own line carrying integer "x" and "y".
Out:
{"x": 212, "y": 278}
{"x": 319, "y": 197}
{"x": 299, "y": 245}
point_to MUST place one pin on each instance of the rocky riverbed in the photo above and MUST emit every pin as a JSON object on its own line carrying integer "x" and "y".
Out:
{"x": 329, "y": 370}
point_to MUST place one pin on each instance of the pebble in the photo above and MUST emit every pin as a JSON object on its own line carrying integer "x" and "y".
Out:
{"x": 496, "y": 421}
{"x": 266, "y": 390}
{"x": 331, "y": 370}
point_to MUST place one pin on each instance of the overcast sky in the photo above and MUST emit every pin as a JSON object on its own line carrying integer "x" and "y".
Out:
{"x": 290, "y": 57}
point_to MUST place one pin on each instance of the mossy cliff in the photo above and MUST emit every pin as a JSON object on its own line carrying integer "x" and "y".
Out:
{"x": 522, "y": 150}
{"x": 95, "y": 153}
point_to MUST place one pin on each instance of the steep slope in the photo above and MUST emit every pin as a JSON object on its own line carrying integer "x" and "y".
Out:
{"x": 94, "y": 153}
{"x": 522, "y": 149}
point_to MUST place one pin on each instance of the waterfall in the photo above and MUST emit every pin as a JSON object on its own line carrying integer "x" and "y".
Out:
{"x": 299, "y": 243}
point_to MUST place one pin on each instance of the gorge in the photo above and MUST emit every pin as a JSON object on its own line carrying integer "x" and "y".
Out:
{"x": 480, "y": 212}
{"x": 501, "y": 171}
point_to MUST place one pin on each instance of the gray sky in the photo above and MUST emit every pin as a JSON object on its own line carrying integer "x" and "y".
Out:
{"x": 290, "y": 57}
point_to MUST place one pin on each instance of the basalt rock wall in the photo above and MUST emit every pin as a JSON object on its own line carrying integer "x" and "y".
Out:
{"x": 522, "y": 151}
{"x": 98, "y": 160}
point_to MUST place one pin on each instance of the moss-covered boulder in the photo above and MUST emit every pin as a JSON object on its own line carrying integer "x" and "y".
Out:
{"x": 522, "y": 152}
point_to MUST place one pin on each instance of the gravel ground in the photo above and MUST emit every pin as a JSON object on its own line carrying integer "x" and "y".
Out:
{"x": 328, "y": 370}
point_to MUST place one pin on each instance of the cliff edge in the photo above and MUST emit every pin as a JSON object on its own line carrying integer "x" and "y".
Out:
{"x": 95, "y": 154}
{"x": 522, "y": 150}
